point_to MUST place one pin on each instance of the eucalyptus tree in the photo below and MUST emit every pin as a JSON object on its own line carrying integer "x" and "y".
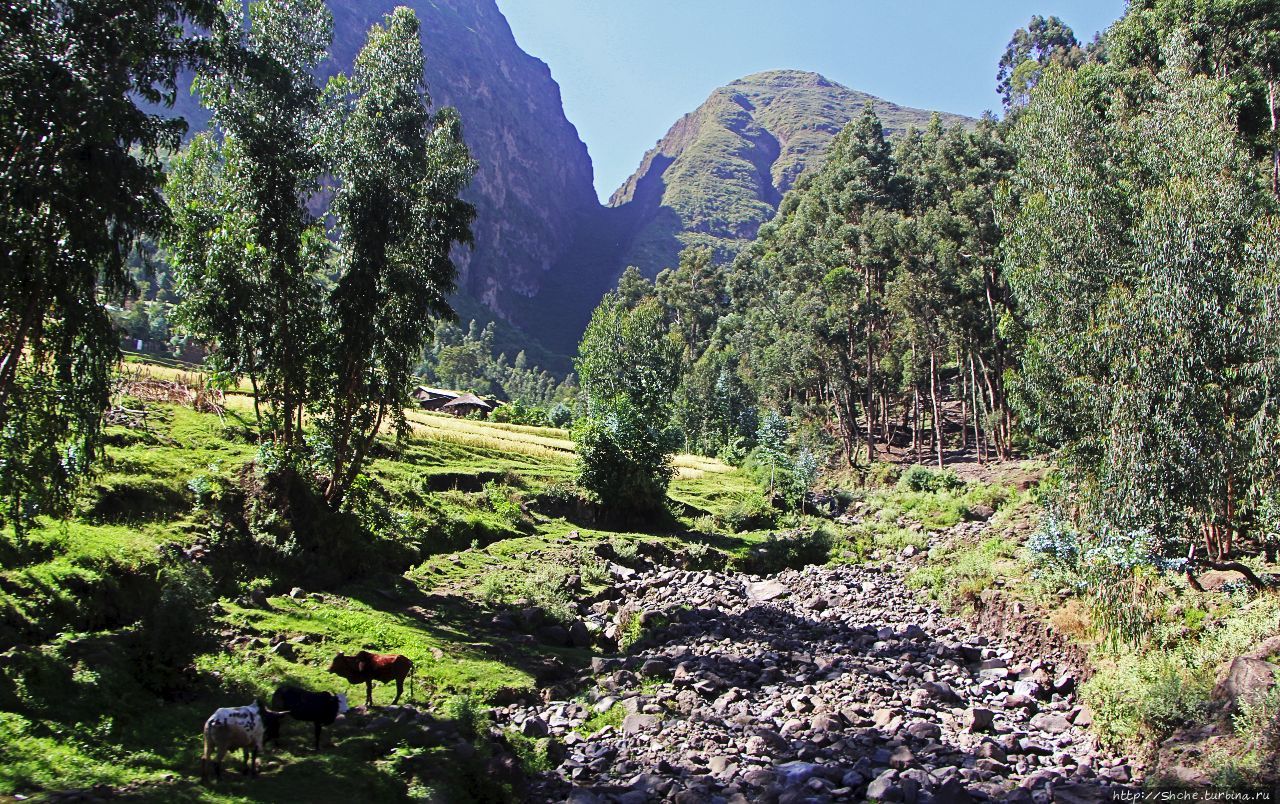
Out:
{"x": 247, "y": 252}
{"x": 79, "y": 181}
{"x": 693, "y": 296}
{"x": 1235, "y": 41}
{"x": 399, "y": 170}
{"x": 950, "y": 296}
{"x": 1142, "y": 255}
{"x": 1045, "y": 41}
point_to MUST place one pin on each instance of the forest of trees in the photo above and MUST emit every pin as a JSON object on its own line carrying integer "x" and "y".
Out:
{"x": 1094, "y": 276}
{"x": 324, "y": 312}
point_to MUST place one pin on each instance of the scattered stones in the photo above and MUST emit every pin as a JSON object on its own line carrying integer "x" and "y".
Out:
{"x": 821, "y": 684}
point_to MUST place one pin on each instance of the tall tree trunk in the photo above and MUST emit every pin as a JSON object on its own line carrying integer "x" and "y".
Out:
{"x": 938, "y": 424}
{"x": 915, "y": 421}
{"x": 1275, "y": 136}
{"x": 973, "y": 391}
{"x": 964, "y": 404}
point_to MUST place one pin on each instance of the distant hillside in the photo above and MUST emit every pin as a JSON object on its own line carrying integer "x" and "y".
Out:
{"x": 722, "y": 169}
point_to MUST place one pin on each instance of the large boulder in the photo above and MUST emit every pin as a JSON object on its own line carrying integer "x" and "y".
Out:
{"x": 1243, "y": 678}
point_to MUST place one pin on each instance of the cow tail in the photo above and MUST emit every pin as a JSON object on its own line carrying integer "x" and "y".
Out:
{"x": 413, "y": 671}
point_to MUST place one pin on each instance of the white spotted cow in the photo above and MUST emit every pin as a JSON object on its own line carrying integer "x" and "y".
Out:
{"x": 244, "y": 727}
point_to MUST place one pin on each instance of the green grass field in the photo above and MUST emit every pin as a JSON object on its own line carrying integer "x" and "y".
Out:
{"x": 446, "y": 504}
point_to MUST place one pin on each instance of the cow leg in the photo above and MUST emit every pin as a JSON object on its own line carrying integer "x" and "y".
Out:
{"x": 255, "y": 761}
{"x": 368, "y": 692}
{"x": 399, "y": 690}
{"x": 317, "y": 736}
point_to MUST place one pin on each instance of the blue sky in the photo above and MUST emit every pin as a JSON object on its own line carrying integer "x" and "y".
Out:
{"x": 629, "y": 68}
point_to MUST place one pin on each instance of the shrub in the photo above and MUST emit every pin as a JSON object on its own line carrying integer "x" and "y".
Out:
{"x": 178, "y": 627}
{"x": 883, "y": 473}
{"x": 752, "y": 512}
{"x": 922, "y": 478}
{"x": 468, "y": 714}
{"x": 560, "y": 415}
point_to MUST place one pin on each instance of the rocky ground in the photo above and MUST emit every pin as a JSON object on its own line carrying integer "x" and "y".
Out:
{"x": 825, "y": 684}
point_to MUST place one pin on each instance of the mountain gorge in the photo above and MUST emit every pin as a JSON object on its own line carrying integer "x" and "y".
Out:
{"x": 545, "y": 248}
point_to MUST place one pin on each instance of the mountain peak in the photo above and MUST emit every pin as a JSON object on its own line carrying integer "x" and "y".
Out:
{"x": 783, "y": 78}
{"x": 722, "y": 169}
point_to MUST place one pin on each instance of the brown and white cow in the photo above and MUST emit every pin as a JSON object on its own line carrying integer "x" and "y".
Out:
{"x": 232, "y": 727}
{"x": 369, "y": 667}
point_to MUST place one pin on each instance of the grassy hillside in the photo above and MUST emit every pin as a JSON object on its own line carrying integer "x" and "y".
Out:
{"x": 166, "y": 595}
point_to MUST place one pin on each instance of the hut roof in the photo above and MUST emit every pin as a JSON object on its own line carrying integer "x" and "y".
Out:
{"x": 436, "y": 393}
{"x": 468, "y": 400}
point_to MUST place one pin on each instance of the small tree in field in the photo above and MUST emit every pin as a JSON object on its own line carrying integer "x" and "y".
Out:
{"x": 628, "y": 367}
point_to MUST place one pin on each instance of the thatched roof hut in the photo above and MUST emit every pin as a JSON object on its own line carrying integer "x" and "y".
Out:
{"x": 433, "y": 398}
{"x": 466, "y": 404}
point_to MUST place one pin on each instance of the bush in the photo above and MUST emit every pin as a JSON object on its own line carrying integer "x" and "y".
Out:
{"x": 471, "y": 718}
{"x": 625, "y": 460}
{"x": 560, "y": 415}
{"x": 178, "y": 627}
{"x": 752, "y": 512}
{"x": 883, "y": 473}
{"x": 922, "y": 478}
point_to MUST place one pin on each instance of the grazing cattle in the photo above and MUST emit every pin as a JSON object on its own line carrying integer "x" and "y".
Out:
{"x": 370, "y": 667}
{"x": 320, "y": 708}
{"x": 232, "y": 727}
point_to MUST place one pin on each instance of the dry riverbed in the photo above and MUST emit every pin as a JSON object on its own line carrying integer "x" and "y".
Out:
{"x": 824, "y": 684}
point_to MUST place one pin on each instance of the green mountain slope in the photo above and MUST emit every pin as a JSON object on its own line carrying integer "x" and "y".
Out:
{"x": 722, "y": 169}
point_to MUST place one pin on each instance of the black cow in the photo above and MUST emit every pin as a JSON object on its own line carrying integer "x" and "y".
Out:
{"x": 320, "y": 708}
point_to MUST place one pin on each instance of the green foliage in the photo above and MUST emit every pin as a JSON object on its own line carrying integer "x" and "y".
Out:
{"x": 628, "y": 368}
{"x": 1041, "y": 43}
{"x": 467, "y": 359}
{"x": 246, "y": 250}
{"x": 469, "y": 715}
{"x": 960, "y": 573}
{"x": 534, "y": 753}
{"x": 1142, "y": 255}
{"x": 79, "y": 186}
{"x": 751, "y": 512}
{"x": 1142, "y": 695}
{"x": 921, "y": 478}
{"x": 879, "y": 269}
{"x": 399, "y": 170}
{"x": 611, "y": 717}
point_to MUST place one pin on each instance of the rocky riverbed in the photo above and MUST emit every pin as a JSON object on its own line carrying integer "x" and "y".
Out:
{"x": 824, "y": 684}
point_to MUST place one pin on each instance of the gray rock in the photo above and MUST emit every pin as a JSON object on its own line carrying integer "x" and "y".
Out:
{"x": 901, "y": 758}
{"x": 579, "y": 634}
{"x": 637, "y": 722}
{"x": 763, "y": 591}
{"x": 1243, "y": 678}
{"x": 1050, "y": 723}
{"x": 924, "y": 730}
{"x": 977, "y": 719}
{"x": 885, "y": 787}
{"x": 534, "y": 727}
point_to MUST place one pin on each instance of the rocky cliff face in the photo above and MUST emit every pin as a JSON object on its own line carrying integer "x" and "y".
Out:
{"x": 533, "y": 187}
{"x": 722, "y": 169}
